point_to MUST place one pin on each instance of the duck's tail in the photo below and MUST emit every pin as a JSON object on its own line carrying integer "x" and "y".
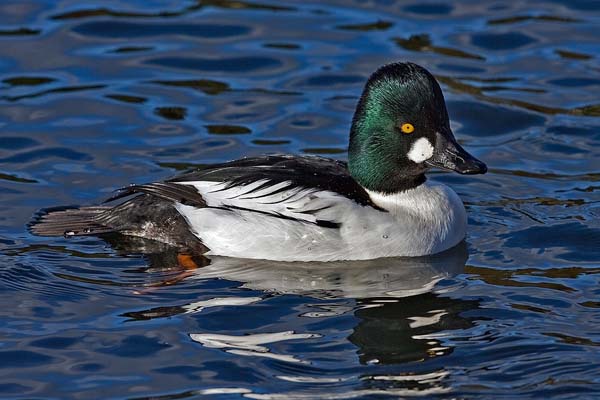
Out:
{"x": 64, "y": 221}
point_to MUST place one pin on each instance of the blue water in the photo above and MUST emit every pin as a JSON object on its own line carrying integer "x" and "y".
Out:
{"x": 96, "y": 95}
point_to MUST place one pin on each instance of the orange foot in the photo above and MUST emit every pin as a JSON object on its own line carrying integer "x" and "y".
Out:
{"x": 185, "y": 262}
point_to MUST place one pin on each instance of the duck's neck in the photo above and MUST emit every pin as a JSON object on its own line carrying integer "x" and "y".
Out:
{"x": 383, "y": 178}
{"x": 426, "y": 199}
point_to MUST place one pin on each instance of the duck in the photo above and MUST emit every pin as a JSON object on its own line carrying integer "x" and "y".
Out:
{"x": 281, "y": 207}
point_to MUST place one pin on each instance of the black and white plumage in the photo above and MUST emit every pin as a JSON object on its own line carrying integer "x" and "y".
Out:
{"x": 274, "y": 207}
{"x": 300, "y": 208}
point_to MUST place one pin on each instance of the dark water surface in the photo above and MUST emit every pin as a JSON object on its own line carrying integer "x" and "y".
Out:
{"x": 95, "y": 95}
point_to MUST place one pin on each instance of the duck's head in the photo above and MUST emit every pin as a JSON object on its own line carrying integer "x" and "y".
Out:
{"x": 401, "y": 129}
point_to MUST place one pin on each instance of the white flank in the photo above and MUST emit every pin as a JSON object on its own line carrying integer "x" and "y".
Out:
{"x": 421, "y": 150}
{"x": 243, "y": 223}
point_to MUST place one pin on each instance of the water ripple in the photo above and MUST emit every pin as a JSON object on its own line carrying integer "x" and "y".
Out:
{"x": 128, "y": 30}
{"x": 96, "y": 96}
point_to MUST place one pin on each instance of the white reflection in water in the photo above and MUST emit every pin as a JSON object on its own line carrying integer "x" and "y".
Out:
{"x": 218, "y": 302}
{"x": 251, "y": 345}
{"x": 385, "y": 277}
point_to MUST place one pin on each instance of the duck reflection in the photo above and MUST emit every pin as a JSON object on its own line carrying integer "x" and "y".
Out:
{"x": 399, "y": 309}
{"x": 398, "y": 312}
{"x": 407, "y": 329}
{"x": 384, "y": 277}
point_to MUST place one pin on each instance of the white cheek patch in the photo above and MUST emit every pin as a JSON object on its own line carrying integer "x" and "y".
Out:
{"x": 421, "y": 150}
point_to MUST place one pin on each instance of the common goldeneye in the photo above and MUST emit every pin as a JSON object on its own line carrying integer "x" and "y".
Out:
{"x": 304, "y": 208}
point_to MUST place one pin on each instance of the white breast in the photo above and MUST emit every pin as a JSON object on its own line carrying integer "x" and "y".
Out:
{"x": 420, "y": 221}
{"x": 429, "y": 218}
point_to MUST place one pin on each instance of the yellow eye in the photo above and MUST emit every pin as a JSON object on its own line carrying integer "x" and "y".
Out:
{"x": 407, "y": 128}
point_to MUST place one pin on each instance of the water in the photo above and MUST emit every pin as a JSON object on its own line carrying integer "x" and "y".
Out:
{"x": 97, "y": 95}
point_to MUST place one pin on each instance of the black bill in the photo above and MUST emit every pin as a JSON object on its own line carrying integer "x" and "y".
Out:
{"x": 448, "y": 154}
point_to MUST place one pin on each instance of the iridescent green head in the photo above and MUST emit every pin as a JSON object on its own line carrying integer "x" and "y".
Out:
{"x": 401, "y": 129}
